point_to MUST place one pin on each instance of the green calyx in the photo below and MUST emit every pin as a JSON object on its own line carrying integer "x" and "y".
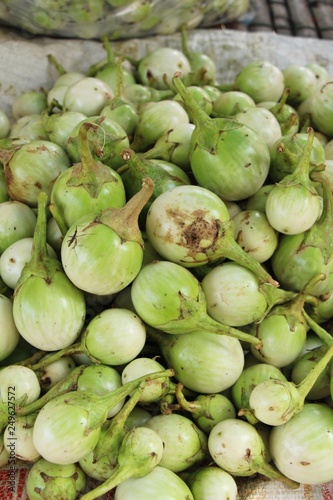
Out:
{"x": 88, "y": 173}
{"x": 40, "y": 264}
{"x": 124, "y": 221}
{"x": 193, "y": 317}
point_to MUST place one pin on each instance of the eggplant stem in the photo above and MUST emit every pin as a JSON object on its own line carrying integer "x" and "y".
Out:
{"x": 32, "y": 359}
{"x": 124, "y": 221}
{"x": 109, "y": 446}
{"x": 317, "y": 329}
{"x": 269, "y": 471}
{"x": 39, "y": 248}
{"x": 68, "y": 384}
{"x": 67, "y": 351}
{"x": 61, "y": 70}
{"x": 311, "y": 378}
{"x": 183, "y": 403}
{"x": 58, "y": 218}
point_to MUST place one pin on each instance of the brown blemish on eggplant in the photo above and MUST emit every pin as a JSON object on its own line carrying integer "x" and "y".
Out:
{"x": 198, "y": 231}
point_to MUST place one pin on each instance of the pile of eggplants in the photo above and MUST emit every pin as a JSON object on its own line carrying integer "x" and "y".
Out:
{"x": 117, "y": 19}
{"x": 166, "y": 279}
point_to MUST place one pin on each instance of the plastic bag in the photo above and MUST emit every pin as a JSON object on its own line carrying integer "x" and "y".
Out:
{"x": 118, "y": 19}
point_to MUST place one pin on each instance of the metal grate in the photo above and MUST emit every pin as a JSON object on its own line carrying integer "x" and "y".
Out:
{"x": 304, "y": 18}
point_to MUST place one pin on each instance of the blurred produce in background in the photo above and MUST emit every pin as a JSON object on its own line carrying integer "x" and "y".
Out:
{"x": 118, "y": 19}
